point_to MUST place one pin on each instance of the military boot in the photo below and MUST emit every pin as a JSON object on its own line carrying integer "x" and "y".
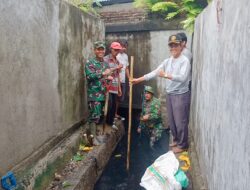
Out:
{"x": 92, "y": 127}
{"x": 93, "y": 141}
{"x": 114, "y": 124}
{"x": 85, "y": 139}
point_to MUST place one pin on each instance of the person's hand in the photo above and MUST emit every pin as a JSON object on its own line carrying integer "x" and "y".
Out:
{"x": 119, "y": 92}
{"x": 145, "y": 117}
{"x": 161, "y": 73}
{"x": 106, "y": 72}
{"x": 110, "y": 77}
{"x": 134, "y": 80}
{"x": 138, "y": 130}
{"x": 119, "y": 66}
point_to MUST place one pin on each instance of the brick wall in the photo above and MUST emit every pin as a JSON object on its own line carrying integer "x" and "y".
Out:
{"x": 124, "y": 16}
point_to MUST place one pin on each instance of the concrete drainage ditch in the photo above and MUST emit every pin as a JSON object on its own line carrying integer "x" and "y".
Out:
{"x": 83, "y": 174}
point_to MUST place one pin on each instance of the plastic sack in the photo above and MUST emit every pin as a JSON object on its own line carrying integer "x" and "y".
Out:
{"x": 181, "y": 177}
{"x": 184, "y": 161}
{"x": 160, "y": 175}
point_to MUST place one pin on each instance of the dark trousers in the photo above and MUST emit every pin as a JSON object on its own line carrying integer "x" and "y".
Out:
{"x": 178, "y": 106}
{"x": 111, "y": 108}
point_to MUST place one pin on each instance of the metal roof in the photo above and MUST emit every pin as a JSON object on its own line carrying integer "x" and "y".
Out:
{"x": 111, "y": 2}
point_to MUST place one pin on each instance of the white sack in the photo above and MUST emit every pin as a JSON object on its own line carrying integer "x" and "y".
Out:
{"x": 160, "y": 175}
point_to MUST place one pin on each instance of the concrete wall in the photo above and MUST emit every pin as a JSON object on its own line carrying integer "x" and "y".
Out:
{"x": 220, "y": 110}
{"x": 42, "y": 88}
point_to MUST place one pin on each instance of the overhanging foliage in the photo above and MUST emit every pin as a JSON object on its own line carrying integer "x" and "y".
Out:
{"x": 86, "y": 5}
{"x": 188, "y": 9}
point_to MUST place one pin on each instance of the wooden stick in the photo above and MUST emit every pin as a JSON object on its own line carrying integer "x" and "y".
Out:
{"x": 130, "y": 110}
{"x": 105, "y": 111}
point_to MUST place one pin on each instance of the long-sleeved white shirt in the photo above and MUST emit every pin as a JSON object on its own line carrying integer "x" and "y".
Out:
{"x": 180, "y": 70}
{"x": 123, "y": 59}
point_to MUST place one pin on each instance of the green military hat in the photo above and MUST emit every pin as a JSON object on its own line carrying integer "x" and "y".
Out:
{"x": 149, "y": 89}
{"x": 99, "y": 44}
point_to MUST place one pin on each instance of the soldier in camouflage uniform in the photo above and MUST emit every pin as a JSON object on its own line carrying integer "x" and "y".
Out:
{"x": 151, "y": 121}
{"x": 97, "y": 74}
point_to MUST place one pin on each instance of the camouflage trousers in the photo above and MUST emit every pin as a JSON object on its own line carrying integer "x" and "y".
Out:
{"x": 153, "y": 131}
{"x": 95, "y": 111}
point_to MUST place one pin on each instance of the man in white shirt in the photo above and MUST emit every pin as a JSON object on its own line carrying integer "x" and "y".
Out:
{"x": 122, "y": 58}
{"x": 176, "y": 71}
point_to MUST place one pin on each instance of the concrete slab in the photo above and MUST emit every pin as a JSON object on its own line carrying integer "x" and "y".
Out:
{"x": 86, "y": 172}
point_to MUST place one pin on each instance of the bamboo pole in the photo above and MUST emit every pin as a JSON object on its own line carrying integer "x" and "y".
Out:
{"x": 105, "y": 111}
{"x": 130, "y": 110}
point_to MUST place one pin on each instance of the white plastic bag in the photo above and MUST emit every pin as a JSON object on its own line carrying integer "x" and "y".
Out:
{"x": 160, "y": 175}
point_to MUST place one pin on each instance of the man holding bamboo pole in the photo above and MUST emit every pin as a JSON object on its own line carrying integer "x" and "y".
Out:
{"x": 97, "y": 73}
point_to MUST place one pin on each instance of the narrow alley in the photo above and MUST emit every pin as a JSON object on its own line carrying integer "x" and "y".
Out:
{"x": 59, "y": 65}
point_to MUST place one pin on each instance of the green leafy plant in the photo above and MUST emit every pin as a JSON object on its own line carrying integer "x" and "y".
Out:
{"x": 66, "y": 184}
{"x": 164, "y": 6}
{"x": 78, "y": 157}
{"x": 187, "y": 9}
{"x": 86, "y": 5}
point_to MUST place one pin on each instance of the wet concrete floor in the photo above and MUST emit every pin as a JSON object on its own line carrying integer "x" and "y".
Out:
{"x": 115, "y": 176}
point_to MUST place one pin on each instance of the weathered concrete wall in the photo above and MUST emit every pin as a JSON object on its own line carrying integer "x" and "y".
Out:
{"x": 220, "y": 110}
{"x": 42, "y": 90}
{"x": 149, "y": 50}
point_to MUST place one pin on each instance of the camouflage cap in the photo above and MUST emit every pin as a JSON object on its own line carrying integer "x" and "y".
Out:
{"x": 99, "y": 44}
{"x": 149, "y": 89}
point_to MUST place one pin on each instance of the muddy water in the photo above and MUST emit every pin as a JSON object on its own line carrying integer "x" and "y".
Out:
{"x": 115, "y": 176}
